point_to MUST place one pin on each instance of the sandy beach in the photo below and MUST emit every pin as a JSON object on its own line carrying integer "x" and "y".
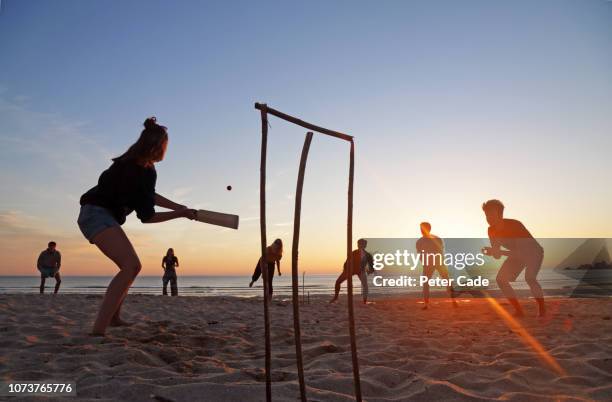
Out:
{"x": 201, "y": 348}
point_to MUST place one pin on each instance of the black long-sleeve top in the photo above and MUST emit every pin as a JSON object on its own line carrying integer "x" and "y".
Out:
{"x": 125, "y": 187}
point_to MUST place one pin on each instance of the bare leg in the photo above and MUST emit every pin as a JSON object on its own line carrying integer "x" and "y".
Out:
{"x": 426, "y": 295}
{"x": 363, "y": 278}
{"x": 428, "y": 272}
{"x": 42, "y": 284}
{"x": 504, "y": 285}
{"x": 337, "y": 286}
{"x": 256, "y": 274}
{"x": 116, "y": 321}
{"x": 531, "y": 274}
{"x": 536, "y": 291}
{"x": 541, "y": 307}
{"x": 115, "y": 245}
{"x": 443, "y": 271}
{"x": 507, "y": 273}
{"x": 58, "y": 282}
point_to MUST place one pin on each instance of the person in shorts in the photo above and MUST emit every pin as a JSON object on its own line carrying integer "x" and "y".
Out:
{"x": 48, "y": 264}
{"x": 431, "y": 248}
{"x": 523, "y": 251}
{"x": 127, "y": 185}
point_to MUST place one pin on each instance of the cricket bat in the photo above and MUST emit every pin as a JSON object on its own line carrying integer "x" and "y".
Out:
{"x": 218, "y": 218}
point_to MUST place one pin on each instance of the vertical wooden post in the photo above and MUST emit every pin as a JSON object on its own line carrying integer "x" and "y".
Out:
{"x": 263, "y": 263}
{"x": 264, "y": 133}
{"x": 349, "y": 259}
{"x": 294, "y": 266}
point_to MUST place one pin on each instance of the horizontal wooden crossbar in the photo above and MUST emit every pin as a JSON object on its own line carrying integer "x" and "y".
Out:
{"x": 265, "y": 108}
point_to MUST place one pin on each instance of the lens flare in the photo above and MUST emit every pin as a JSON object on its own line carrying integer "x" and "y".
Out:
{"x": 526, "y": 337}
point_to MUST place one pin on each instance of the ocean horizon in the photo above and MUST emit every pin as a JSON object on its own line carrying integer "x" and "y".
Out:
{"x": 188, "y": 285}
{"x": 238, "y": 285}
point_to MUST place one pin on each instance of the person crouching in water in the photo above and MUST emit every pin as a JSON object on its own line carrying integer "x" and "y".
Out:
{"x": 169, "y": 263}
{"x": 523, "y": 251}
{"x": 49, "y": 262}
{"x": 274, "y": 253}
{"x": 363, "y": 264}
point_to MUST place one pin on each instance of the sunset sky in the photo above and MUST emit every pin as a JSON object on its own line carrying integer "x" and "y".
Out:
{"x": 451, "y": 103}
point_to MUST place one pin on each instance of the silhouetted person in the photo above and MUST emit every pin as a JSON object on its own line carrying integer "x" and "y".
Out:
{"x": 363, "y": 264}
{"x": 432, "y": 249}
{"x": 169, "y": 264}
{"x": 49, "y": 263}
{"x": 523, "y": 251}
{"x": 127, "y": 185}
{"x": 274, "y": 253}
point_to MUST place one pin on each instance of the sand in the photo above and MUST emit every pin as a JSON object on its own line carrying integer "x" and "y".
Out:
{"x": 192, "y": 348}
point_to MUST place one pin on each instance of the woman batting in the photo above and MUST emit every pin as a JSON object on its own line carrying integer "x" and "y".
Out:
{"x": 127, "y": 185}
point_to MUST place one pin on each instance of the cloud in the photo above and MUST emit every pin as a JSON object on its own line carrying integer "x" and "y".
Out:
{"x": 48, "y": 138}
{"x": 48, "y": 161}
{"x": 12, "y": 222}
{"x": 18, "y": 229}
{"x": 181, "y": 194}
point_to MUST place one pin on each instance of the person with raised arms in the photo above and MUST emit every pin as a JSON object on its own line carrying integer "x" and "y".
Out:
{"x": 127, "y": 185}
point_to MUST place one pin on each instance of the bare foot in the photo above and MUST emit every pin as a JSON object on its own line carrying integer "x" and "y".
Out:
{"x": 335, "y": 299}
{"x": 425, "y": 307}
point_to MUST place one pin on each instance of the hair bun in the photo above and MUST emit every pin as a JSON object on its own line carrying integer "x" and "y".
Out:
{"x": 151, "y": 122}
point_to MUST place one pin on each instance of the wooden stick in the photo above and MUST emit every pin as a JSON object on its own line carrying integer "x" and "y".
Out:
{"x": 349, "y": 260}
{"x": 264, "y": 131}
{"x": 263, "y": 262}
{"x": 303, "y": 287}
{"x": 297, "y": 334}
{"x": 295, "y": 120}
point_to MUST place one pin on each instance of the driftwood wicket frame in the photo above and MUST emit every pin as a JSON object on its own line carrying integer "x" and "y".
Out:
{"x": 265, "y": 110}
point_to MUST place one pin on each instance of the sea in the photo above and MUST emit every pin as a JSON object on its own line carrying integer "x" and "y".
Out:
{"x": 553, "y": 282}
{"x": 188, "y": 285}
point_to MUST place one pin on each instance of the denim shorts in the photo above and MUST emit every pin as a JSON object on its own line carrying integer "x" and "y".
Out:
{"x": 94, "y": 219}
{"x": 47, "y": 272}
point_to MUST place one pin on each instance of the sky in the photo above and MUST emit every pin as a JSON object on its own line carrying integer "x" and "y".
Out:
{"x": 450, "y": 103}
